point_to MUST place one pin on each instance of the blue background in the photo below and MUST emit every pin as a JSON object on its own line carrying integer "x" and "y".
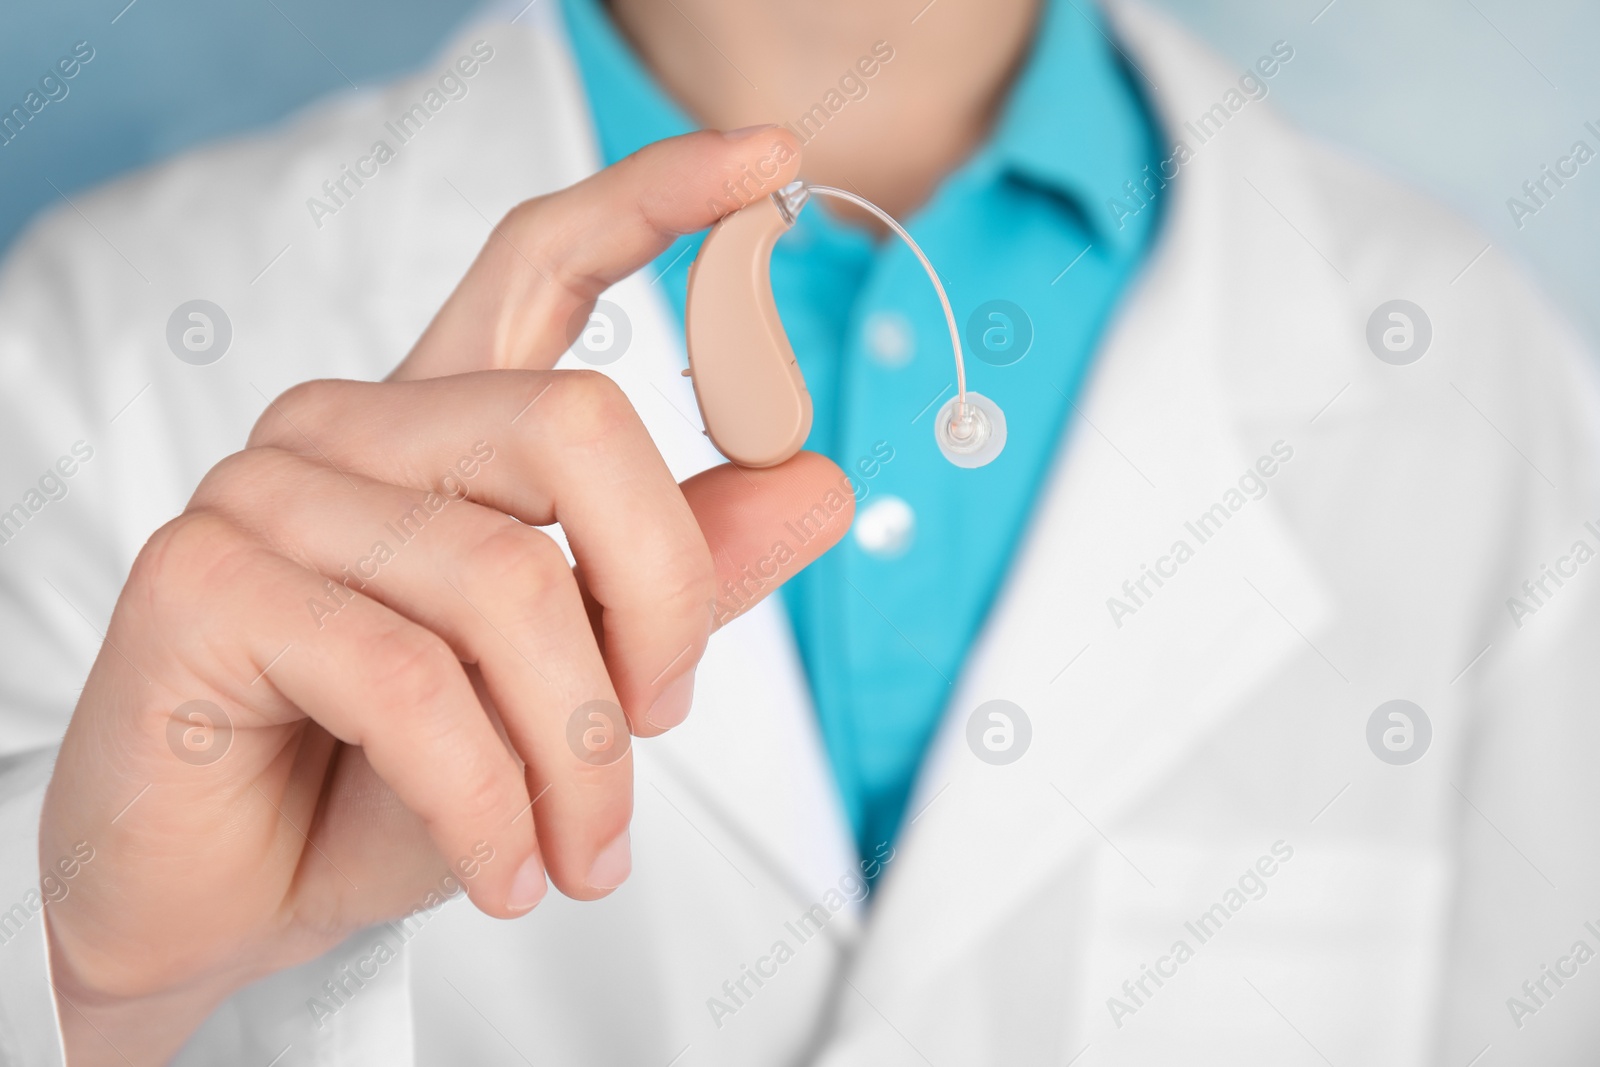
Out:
{"x": 1465, "y": 98}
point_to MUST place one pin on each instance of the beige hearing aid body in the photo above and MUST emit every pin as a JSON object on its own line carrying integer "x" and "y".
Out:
{"x": 752, "y": 396}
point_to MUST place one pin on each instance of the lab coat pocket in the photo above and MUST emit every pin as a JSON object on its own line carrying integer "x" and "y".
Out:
{"x": 1273, "y": 951}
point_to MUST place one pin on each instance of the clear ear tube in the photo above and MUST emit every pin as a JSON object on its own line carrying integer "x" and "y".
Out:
{"x": 970, "y": 429}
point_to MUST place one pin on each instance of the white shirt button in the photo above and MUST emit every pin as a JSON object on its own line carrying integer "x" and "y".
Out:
{"x": 889, "y": 338}
{"x": 885, "y": 527}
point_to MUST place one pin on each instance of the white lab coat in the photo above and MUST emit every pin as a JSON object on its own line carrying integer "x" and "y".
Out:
{"x": 1170, "y": 753}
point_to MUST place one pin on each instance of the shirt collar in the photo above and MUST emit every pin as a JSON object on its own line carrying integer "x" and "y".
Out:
{"x": 1075, "y": 124}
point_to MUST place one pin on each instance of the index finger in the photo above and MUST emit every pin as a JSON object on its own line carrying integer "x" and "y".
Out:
{"x": 552, "y": 256}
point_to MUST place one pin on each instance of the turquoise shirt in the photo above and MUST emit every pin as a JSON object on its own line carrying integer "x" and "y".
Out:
{"x": 1034, "y": 260}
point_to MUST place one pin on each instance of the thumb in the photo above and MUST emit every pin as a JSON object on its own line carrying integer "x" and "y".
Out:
{"x": 765, "y": 526}
{"x": 532, "y": 286}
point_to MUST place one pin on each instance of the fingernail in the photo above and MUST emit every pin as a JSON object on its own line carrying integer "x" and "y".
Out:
{"x": 748, "y": 131}
{"x": 672, "y": 706}
{"x": 528, "y": 887}
{"x": 612, "y": 866}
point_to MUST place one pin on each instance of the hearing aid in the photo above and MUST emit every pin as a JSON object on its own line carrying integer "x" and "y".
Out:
{"x": 751, "y": 392}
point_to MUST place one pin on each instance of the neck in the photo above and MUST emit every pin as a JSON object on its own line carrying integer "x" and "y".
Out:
{"x": 897, "y": 132}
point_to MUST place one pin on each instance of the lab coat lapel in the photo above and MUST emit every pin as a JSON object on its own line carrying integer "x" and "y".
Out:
{"x": 747, "y": 769}
{"x": 1115, "y": 700}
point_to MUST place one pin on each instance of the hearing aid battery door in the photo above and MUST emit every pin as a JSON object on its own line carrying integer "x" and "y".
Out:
{"x": 751, "y": 393}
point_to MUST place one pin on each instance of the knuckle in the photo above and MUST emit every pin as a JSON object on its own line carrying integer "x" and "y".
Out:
{"x": 592, "y": 408}
{"x": 419, "y": 682}
{"x": 197, "y": 552}
{"x": 244, "y": 478}
{"x": 292, "y": 414}
{"x": 535, "y": 237}
{"x": 523, "y": 217}
{"x": 416, "y": 673}
{"x": 485, "y": 793}
{"x": 517, "y": 558}
{"x": 538, "y": 222}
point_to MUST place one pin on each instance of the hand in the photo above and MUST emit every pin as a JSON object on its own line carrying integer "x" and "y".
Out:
{"x": 342, "y": 682}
